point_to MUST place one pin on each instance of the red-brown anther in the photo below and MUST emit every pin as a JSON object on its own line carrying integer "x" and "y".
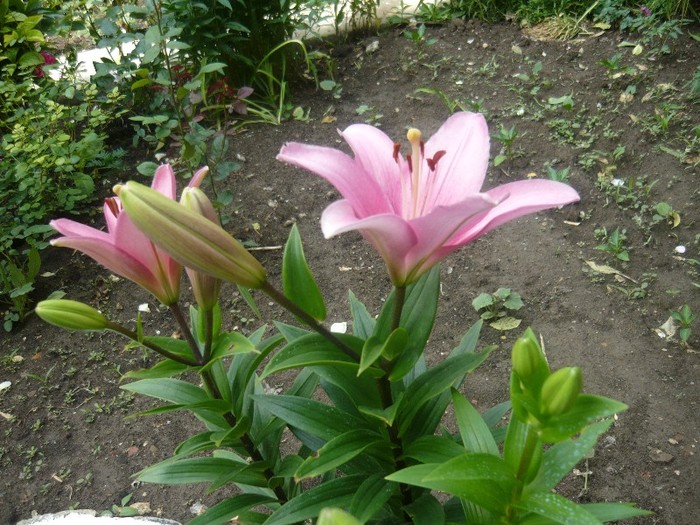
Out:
{"x": 410, "y": 164}
{"x": 113, "y": 206}
{"x": 432, "y": 163}
{"x": 397, "y": 149}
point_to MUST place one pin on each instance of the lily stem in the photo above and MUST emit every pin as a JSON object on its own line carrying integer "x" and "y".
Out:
{"x": 186, "y": 332}
{"x": 312, "y": 323}
{"x": 162, "y": 351}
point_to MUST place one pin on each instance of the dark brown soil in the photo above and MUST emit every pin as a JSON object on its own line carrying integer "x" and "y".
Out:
{"x": 66, "y": 442}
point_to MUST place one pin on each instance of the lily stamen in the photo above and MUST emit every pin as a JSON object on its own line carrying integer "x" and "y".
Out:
{"x": 414, "y": 137}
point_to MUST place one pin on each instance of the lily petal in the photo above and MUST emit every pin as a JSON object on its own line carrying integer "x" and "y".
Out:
{"x": 342, "y": 172}
{"x": 518, "y": 199}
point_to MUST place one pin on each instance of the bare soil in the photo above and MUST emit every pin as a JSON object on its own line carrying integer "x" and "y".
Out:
{"x": 65, "y": 439}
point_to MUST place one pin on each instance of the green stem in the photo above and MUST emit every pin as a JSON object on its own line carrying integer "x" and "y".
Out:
{"x": 187, "y": 333}
{"x": 312, "y": 323}
{"x": 384, "y": 387}
{"x": 531, "y": 442}
{"x": 208, "y": 333}
{"x": 162, "y": 351}
{"x": 399, "y": 301}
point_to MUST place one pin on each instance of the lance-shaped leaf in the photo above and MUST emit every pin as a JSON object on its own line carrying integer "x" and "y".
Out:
{"x": 335, "y": 493}
{"x": 373, "y": 348}
{"x": 557, "y": 509}
{"x": 474, "y": 431}
{"x": 298, "y": 283}
{"x": 489, "y": 494}
{"x": 311, "y": 350}
{"x": 228, "y": 509}
{"x": 337, "y": 452}
{"x": 371, "y": 497}
{"x": 362, "y": 322}
{"x": 311, "y": 416}
{"x": 562, "y": 457}
{"x": 433, "y": 382}
{"x": 585, "y": 410}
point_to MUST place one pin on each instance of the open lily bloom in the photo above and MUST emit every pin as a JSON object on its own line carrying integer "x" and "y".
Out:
{"x": 418, "y": 209}
{"x": 124, "y": 249}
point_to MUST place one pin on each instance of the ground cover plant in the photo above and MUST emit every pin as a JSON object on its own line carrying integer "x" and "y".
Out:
{"x": 626, "y": 157}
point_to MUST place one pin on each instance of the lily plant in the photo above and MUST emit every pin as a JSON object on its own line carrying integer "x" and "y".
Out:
{"x": 372, "y": 448}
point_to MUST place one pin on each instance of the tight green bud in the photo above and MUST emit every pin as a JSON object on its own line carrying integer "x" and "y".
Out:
{"x": 204, "y": 287}
{"x": 190, "y": 238}
{"x": 529, "y": 364}
{"x": 560, "y": 390}
{"x": 72, "y": 315}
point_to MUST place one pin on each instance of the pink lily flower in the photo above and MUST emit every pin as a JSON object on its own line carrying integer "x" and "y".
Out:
{"x": 124, "y": 249}
{"x": 418, "y": 209}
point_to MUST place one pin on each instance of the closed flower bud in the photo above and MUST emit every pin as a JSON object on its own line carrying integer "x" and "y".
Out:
{"x": 529, "y": 364}
{"x": 560, "y": 390}
{"x": 191, "y": 239}
{"x": 204, "y": 287}
{"x": 72, "y": 315}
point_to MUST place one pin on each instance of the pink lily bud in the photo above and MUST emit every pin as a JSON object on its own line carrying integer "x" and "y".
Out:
{"x": 123, "y": 249}
{"x": 190, "y": 238}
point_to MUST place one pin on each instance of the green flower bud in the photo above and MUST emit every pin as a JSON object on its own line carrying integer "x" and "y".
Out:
{"x": 204, "y": 287}
{"x": 529, "y": 364}
{"x": 191, "y": 239}
{"x": 560, "y": 390}
{"x": 72, "y": 315}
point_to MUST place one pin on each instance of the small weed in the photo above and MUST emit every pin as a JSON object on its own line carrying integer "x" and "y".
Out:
{"x": 373, "y": 117}
{"x": 685, "y": 318}
{"x": 498, "y": 307}
{"x": 665, "y": 213}
{"x": 505, "y": 136}
{"x": 614, "y": 243}
{"x": 333, "y": 87}
{"x": 561, "y": 175}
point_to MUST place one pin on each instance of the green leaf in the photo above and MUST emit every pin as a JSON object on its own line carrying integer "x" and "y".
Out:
{"x": 30, "y": 59}
{"x": 298, "y": 283}
{"x": 212, "y": 67}
{"x": 336, "y": 516}
{"x": 433, "y": 382}
{"x": 224, "y": 511}
{"x": 311, "y": 350}
{"x": 474, "y": 431}
{"x": 164, "y": 368}
{"x": 557, "y": 509}
{"x": 362, "y": 323}
{"x": 562, "y": 457}
{"x": 142, "y": 82}
{"x": 417, "y": 318}
{"x": 337, "y": 452}
{"x": 171, "y": 390}
{"x": 586, "y": 409}
{"x": 189, "y": 470}
{"x": 309, "y": 415}
{"x": 486, "y": 493}
{"x": 373, "y": 349}
{"x": 506, "y": 323}
{"x": 433, "y": 449}
{"x": 335, "y": 493}
{"x": 426, "y": 510}
{"x": 371, "y": 496}
{"x": 606, "y": 512}
{"x": 482, "y": 301}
